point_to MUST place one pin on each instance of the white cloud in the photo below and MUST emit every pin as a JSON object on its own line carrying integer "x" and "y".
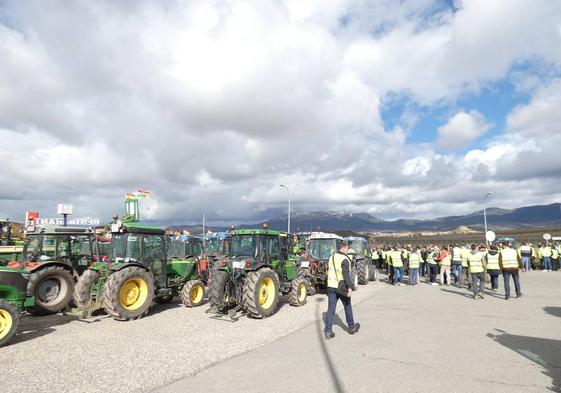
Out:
{"x": 462, "y": 129}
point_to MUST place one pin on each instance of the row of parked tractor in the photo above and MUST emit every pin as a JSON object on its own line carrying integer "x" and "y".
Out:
{"x": 132, "y": 267}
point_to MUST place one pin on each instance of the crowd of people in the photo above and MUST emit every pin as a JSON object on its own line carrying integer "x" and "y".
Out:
{"x": 466, "y": 266}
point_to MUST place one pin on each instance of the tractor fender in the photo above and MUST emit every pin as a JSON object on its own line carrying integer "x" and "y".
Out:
{"x": 254, "y": 269}
{"x": 45, "y": 265}
{"x": 130, "y": 264}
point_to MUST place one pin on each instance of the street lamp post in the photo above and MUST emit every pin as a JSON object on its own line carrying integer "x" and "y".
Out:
{"x": 288, "y": 191}
{"x": 485, "y": 215}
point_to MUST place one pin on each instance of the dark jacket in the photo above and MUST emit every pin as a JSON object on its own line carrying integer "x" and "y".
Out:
{"x": 346, "y": 267}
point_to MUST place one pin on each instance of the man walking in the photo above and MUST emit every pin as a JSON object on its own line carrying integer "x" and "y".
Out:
{"x": 509, "y": 263}
{"x": 477, "y": 272}
{"x": 339, "y": 269}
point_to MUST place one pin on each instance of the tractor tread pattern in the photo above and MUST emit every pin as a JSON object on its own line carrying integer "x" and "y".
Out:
{"x": 83, "y": 288}
{"x": 217, "y": 288}
{"x": 250, "y": 293}
{"x": 293, "y": 297}
{"x": 37, "y": 277}
{"x": 362, "y": 271}
{"x": 111, "y": 289}
{"x": 185, "y": 294}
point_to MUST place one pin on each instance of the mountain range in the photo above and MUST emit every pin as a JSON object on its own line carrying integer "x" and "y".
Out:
{"x": 528, "y": 216}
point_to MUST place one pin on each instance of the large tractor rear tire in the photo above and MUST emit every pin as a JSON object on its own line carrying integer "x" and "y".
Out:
{"x": 218, "y": 296}
{"x": 362, "y": 269}
{"x": 193, "y": 293}
{"x": 9, "y": 321}
{"x": 354, "y": 277}
{"x": 373, "y": 273}
{"x": 128, "y": 294}
{"x": 307, "y": 275}
{"x": 261, "y": 293}
{"x": 299, "y": 292}
{"x": 52, "y": 287}
{"x": 83, "y": 289}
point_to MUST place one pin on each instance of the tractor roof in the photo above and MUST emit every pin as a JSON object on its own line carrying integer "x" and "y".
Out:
{"x": 136, "y": 227}
{"x": 324, "y": 235}
{"x": 355, "y": 239}
{"x": 218, "y": 235}
{"x": 267, "y": 232}
{"x": 58, "y": 230}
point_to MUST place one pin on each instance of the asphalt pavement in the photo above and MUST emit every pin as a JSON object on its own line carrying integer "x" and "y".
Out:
{"x": 412, "y": 339}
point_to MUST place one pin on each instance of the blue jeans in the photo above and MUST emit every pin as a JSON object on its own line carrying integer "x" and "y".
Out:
{"x": 546, "y": 263}
{"x": 332, "y": 297}
{"x": 398, "y": 274}
{"x": 413, "y": 275}
{"x": 526, "y": 263}
{"x": 494, "y": 274}
{"x": 422, "y": 269}
{"x": 515, "y": 277}
{"x": 457, "y": 272}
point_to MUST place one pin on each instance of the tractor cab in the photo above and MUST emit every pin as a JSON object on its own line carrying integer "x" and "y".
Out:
{"x": 314, "y": 266}
{"x": 186, "y": 246}
{"x": 361, "y": 259}
{"x": 217, "y": 244}
{"x": 259, "y": 247}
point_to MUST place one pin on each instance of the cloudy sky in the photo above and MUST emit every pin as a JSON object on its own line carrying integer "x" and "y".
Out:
{"x": 396, "y": 108}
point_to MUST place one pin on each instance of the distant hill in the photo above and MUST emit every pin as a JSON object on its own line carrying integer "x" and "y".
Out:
{"x": 529, "y": 216}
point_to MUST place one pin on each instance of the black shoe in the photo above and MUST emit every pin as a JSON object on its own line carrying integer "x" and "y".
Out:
{"x": 355, "y": 328}
{"x": 507, "y": 297}
{"x": 329, "y": 335}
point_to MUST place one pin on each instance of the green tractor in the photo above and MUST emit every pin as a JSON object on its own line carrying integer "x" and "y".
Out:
{"x": 13, "y": 300}
{"x": 257, "y": 272}
{"x": 54, "y": 257}
{"x": 361, "y": 259}
{"x": 10, "y": 250}
{"x": 136, "y": 275}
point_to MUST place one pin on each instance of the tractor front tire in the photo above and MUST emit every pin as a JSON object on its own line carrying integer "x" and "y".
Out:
{"x": 299, "y": 292}
{"x": 217, "y": 294}
{"x": 83, "y": 289}
{"x": 362, "y": 269}
{"x": 261, "y": 293}
{"x": 307, "y": 275}
{"x": 9, "y": 321}
{"x": 193, "y": 293}
{"x": 52, "y": 288}
{"x": 373, "y": 273}
{"x": 128, "y": 294}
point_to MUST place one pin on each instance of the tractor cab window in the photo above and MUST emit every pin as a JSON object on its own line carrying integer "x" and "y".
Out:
{"x": 213, "y": 246}
{"x": 40, "y": 248}
{"x": 322, "y": 249}
{"x": 126, "y": 246}
{"x": 357, "y": 246}
{"x": 153, "y": 247}
{"x": 197, "y": 247}
{"x": 244, "y": 245}
{"x": 274, "y": 247}
{"x": 283, "y": 247}
{"x": 176, "y": 249}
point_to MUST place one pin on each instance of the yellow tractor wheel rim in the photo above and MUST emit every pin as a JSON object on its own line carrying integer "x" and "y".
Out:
{"x": 267, "y": 293}
{"x": 6, "y": 323}
{"x": 197, "y": 293}
{"x": 133, "y": 293}
{"x": 302, "y": 292}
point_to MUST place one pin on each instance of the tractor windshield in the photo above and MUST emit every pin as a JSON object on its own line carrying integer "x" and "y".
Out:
{"x": 40, "y": 248}
{"x": 214, "y": 246}
{"x": 196, "y": 247}
{"x": 322, "y": 249}
{"x": 175, "y": 249}
{"x": 244, "y": 245}
{"x": 125, "y": 246}
{"x": 356, "y": 246}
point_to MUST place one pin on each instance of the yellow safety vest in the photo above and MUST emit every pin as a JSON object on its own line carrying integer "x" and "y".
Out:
{"x": 475, "y": 263}
{"x": 509, "y": 258}
{"x": 414, "y": 260}
{"x": 457, "y": 257}
{"x": 395, "y": 257}
{"x": 334, "y": 276}
{"x": 525, "y": 251}
{"x": 546, "y": 252}
{"x": 555, "y": 253}
{"x": 493, "y": 261}
{"x": 430, "y": 258}
{"x": 464, "y": 258}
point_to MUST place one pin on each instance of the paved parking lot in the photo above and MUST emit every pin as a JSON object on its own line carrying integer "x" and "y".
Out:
{"x": 412, "y": 340}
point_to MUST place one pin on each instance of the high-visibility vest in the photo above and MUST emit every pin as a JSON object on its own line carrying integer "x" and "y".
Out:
{"x": 475, "y": 262}
{"x": 493, "y": 261}
{"x": 525, "y": 251}
{"x": 335, "y": 275}
{"x": 554, "y": 253}
{"x": 465, "y": 257}
{"x": 509, "y": 258}
{"x": 395, "y": 257}
{"x": 457, "y": 257}
{"x": 546, "y": 252}
{"x": 430, "y": 258}
{"x": 414, "y": 260}
{"x": 375, "y": 255}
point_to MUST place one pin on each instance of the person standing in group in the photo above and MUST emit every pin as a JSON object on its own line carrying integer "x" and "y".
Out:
{"x": 423, "y": 263}
{"x": 397, "y": 263}
{"x": 391, "y": 271}
{"x": 545, "y": 254}
{"x": 493, "y": 268}
{"x": 555, "y": 258}
{"x": 375, "y": 259}
{"x": 477, "y": 272}
{"x": 534, "y": 261}
{"x": 465, "y": 270}
{"x": 456, "y": 264}
{"x": 444, "y": 259}
{"x": 509, "y": 262}
{"x": 339, "y": 269}
{"x": 433, "y": 266}
{"x": 525, "y": 252}
{"x": 414, "y": 262}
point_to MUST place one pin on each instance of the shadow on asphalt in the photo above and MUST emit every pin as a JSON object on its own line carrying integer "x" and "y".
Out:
{"x": 33, "y": 327}
{"x": 464, "y": 294}
{"x": 555, "y": 311}
{"x": 335, "y": 379}
{"x": 542, "y": 351}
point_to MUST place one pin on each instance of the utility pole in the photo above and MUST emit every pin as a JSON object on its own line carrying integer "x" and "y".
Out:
{"x": 485, "y": 215}
{"x": 288, "y": 191}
